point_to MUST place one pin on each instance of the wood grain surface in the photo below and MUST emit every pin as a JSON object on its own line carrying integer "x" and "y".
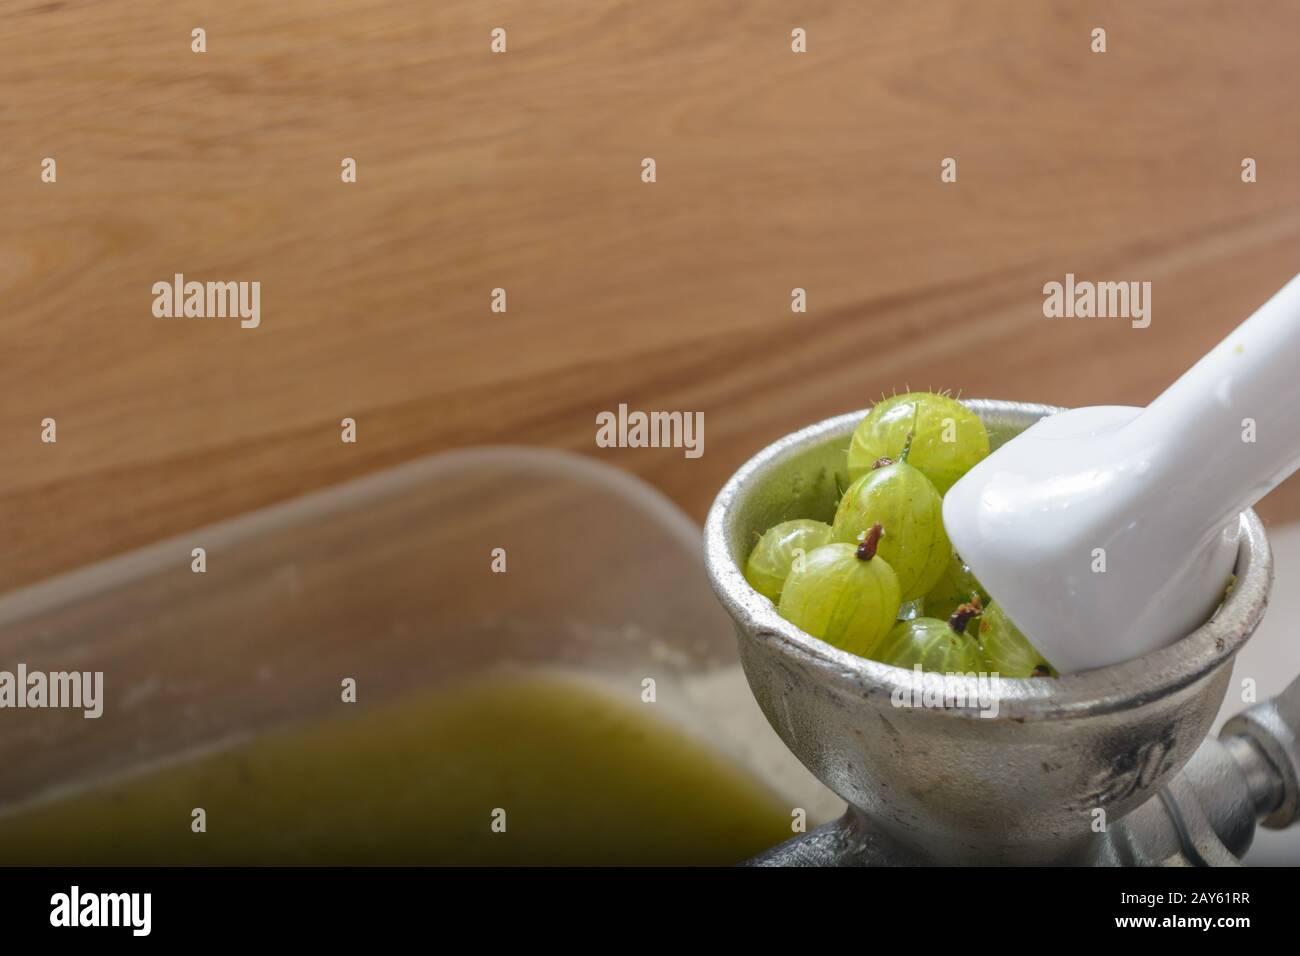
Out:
{"x": 522, "y": 170}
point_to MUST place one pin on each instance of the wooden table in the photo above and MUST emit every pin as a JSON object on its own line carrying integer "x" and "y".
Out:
{"x": 522, "y": 171}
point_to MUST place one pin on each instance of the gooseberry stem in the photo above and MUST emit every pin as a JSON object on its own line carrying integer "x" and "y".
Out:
{"x": 907, "y": 446}
{"x": 867, "y": 549}
{"x": 964, "y": 614}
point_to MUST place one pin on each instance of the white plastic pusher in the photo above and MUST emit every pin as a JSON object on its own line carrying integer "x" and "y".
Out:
{"x": 1149, "y": 495}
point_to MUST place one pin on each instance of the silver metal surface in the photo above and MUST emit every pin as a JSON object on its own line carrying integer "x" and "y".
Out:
{"x": 1273, "y": 728}
{"x": 946, "y": 785}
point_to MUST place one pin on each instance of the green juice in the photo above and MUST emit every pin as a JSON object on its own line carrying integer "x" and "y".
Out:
{"x": 583, "y": 778}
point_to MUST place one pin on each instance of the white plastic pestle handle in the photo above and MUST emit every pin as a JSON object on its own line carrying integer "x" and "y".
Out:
{"x": 1108, "y": 532}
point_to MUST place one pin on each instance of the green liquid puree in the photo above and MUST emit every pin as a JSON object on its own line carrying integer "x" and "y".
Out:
{"x": 584, "y": 778}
